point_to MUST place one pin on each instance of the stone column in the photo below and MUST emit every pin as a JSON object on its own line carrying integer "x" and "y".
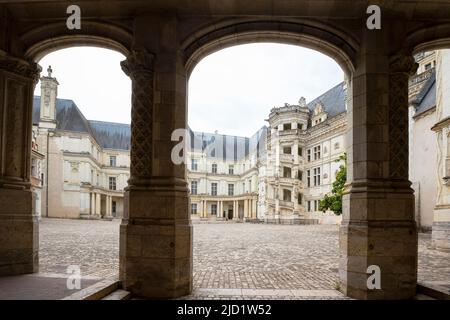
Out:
{"x": 218, "y": 213}
{"x": 255, "y": 209}
{"x": 106, "y": 206}
{"x": 245, "y": 208}
{"x": 108, "y": 212}
{"x": 19, "y": 232}
{"x": 110, "y": 206}
{"x": 156, "y": 232}
{"x": 98, "y": 205}
{"x": 378, "y": 227}
{"x": 92, "y": 203}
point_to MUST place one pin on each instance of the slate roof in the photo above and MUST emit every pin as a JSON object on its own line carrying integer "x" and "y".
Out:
{"x": 228, "y": 147}
{"x": 333, "y": 101}
{"x": 426, "y": 98}
{"x": 108, "y": 135}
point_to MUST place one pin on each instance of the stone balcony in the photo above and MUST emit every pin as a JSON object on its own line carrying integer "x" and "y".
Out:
{"x": 286, "y": 204}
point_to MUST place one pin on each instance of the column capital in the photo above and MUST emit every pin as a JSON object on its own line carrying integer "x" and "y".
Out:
{"x": 21, "y": 67}
{"x": 140, "y": 61}
{"x": 403, "y": 63}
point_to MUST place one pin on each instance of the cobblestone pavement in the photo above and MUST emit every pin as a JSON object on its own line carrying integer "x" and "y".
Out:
{"x": 91, "y": 244}
{"x": 276, "y": 261}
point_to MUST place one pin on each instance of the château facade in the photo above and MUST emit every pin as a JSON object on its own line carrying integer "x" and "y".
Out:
{"x": 81, "y": 167}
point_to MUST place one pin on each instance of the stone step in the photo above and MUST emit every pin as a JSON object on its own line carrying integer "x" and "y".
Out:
{"x": 119, "y": 294}
{"x": 97, "y": 291}
{"x": 433, "y": 291}
{"x": 420, "y": 296}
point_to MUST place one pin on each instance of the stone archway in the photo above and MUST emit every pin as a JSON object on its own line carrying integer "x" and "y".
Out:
{"x": 18, "y": 76}
{"x": 156, "y": 236}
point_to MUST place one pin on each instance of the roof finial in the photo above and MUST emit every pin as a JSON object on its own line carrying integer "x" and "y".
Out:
{"x": 302, "y": 102}
{"x": 50, "y": 71}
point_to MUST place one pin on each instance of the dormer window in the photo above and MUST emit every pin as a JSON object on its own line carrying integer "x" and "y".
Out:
{"x": 318, "y": 109}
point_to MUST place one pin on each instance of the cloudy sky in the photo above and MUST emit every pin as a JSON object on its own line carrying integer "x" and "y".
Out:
{"x": 231, "y": 91}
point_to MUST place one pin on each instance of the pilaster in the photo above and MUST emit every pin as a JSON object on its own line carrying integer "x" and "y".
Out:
{"x": 19, "y": 232}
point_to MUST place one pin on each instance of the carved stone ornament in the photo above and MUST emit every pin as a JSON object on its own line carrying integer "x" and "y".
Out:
{"x": 24, "y": 68}
{"x": 403, "y": 63}
{"x": 401, "y": 67}
{"x": 139, "y": 67}
{"x": 139, "y": 61}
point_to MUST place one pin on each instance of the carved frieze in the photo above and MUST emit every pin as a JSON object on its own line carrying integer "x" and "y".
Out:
{"x": 139, "y": 67}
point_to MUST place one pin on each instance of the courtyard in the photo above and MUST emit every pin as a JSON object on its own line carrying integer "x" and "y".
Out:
{"x": 233, "y": 260}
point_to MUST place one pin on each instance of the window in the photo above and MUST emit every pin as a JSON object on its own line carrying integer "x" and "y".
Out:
{"x": 230, "y": 169}
{"x": 300, "y": 175}
{"x": 287, "y": 172}
{"x": 193, "y": 208}
{"x": 193, "y": 187}
{"x": 316, "y": 176}
{"x": 214, "y": 168}
{"x": 287, "y": 150}
{"x": 287, "y": 126}
{"x": 309, "y": 155}
{"x": 231, "y": 189}
{"x": 317, "y": 153}
{"x": 299, "y": 198}
{"x": 336, "y": 146}
{"x": 300, "y": 126}
{"x": 214, "y": 189}
{"x": 112, "y": 161}
{"x": 428, "y": 66}
{"x": 300, "y": 151}
{"x": 243, "y": 187}
{"x": 249, "y": 185}
{"x": 287, "y": 195}
{"x": 112, "y": 183}
{"x": 194, "y": 165}
{"x": 113, "y": 208}
{"x": 308, "y": 178}
{"x": 309, "y": 206}
{"x": 214, "y": 209}
{"x": 34, "y": 172}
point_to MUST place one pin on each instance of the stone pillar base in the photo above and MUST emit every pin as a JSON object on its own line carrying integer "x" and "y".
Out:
{"x": 391, "y": 245}
{"x": 19, "y": 233}
{"x": 440, "y": 234}
{"x": 156, "y": 244}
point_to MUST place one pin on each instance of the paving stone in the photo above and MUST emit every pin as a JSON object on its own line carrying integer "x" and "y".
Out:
{"x": 290, "y": 261}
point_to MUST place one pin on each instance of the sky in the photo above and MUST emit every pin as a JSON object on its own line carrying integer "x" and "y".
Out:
{"x": 230, "y": 91}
